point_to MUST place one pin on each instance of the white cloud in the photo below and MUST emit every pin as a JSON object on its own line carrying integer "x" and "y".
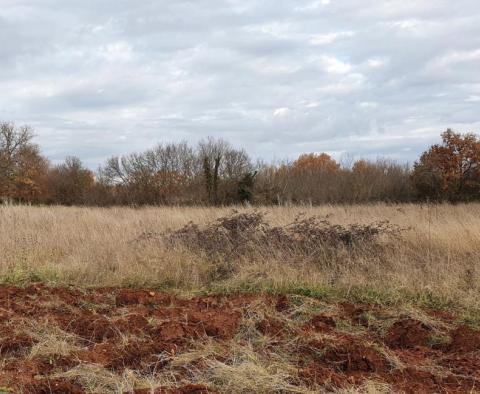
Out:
{"x": 328, "y": 38}
{"x": 117, "y": 52}
{"x": 276, "y": 77}
{"x": 456, "y": 57}
{"x": 335, "y": 66}
{"x": 377, "y": 62}
{"x": 369, "y": 104}
{"x": 407, "y": 24}
{"x": 313, "y": 5}
{"x": 281, "y": 112}
{"x": 473, "y": 98}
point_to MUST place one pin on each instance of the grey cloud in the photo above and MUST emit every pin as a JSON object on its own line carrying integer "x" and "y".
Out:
{"x": 278, "y": 77}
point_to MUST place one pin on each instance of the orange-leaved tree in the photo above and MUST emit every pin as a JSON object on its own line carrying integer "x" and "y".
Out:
{"x": 315, "y": 162}
{"x": 311, "y": 178}
{"x": 21, "y": 165}
{"x": 450, "y": 170}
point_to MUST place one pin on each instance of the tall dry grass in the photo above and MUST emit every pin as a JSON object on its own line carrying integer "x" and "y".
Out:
{"x": 436, "y": 260}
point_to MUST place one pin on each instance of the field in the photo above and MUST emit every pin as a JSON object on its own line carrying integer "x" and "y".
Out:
{"x": 267, "y": 300}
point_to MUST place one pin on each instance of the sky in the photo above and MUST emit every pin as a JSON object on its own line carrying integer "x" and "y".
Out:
{"x": 369, "y": 78}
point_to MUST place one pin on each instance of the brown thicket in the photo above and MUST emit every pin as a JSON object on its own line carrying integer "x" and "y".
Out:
{"x": 70, "y": 183}
{"x": 249, "y": 234}
{"x": 215, "y": 173}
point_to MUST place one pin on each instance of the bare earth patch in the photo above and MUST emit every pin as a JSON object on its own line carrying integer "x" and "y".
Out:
{"x": 66, "y": 340}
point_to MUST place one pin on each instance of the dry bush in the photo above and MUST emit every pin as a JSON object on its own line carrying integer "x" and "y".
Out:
{"x": 248, "y": 234}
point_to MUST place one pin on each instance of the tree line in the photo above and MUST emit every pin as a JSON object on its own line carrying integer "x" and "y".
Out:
{"x": 215, "y": 173}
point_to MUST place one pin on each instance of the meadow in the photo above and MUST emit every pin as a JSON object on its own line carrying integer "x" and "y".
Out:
{"x": 364, "y": 299}
{"x": 436, "y": 256}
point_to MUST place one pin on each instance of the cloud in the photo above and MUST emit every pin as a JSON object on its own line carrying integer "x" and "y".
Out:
{"x": 281, "y": 112}
{"x": 335, "y": 66}
{"x": 97, "y": 78}
{"x": 328, "y": 38}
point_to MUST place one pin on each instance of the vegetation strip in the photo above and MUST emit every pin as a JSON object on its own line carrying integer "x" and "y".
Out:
{"x": 215, "y": 173}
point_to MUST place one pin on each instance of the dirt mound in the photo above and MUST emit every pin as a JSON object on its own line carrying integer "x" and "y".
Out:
{"x": 416, "y": 380}
{"x": 133, "y": 297}
{"x": 14, "y": 345}
{"x": 271, "y": 327}
{"x": 216, "y": 323}
{"x": 55, "y": 386}
{"x": 344, "y": 353}
{"x": 356, "y": 357}
{"x": 464, "y": 339}
{"x": 155, "y": 334}
{"x": 321, "y": 323}
{"x": 408, "y": 333}
{"x": 174, "y": 332}
{"x": 462, "y": 364}
{"x": 317, "y": 374}
{"x": 282, "y": 304}
{"x": 134, "y": 323}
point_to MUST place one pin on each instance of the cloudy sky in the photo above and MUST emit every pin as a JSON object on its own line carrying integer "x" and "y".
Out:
{"x": 278, "y": 77}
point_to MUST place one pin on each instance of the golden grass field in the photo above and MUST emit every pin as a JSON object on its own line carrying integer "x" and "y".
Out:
{"x": 95, "y": 300}
{"x": 438, "y": 257}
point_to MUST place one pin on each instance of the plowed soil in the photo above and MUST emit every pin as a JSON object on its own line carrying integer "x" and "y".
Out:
{"x": 48, "y": 336}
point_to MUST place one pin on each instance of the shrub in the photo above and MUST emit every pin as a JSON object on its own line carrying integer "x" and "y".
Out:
{"x": 248, "y": 235}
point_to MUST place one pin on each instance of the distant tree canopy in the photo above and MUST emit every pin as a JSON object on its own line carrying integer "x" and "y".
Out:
{"x": 21, "y": 167}
{"x": 215, "y": 173}
{"x": 70, "y": 183}
{"x": 315, "y": 163}
{"x": 451, "y": 170}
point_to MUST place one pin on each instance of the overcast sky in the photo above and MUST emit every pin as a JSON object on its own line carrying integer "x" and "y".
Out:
{"x": 278, "y": 77}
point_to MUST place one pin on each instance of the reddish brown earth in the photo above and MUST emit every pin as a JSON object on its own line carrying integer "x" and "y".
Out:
{"x": 342, "y": 349}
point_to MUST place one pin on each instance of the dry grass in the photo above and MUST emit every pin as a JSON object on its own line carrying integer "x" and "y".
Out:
{"x": 51, "y": 341}
{"x": 96, "y": 379}
{"x": 436, "y": 261}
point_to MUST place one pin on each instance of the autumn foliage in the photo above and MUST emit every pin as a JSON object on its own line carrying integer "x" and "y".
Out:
{"x": 315, "y": 163}
{"x": 215, "y": 173}
{"x": 70, "y": 183}
{"x": 22, "y": 168}
{"x": 451, "y": 170}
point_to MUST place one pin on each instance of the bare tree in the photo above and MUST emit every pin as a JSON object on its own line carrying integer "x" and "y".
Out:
{"x": 163, "y": 175}
{"x": 223, "y": 169}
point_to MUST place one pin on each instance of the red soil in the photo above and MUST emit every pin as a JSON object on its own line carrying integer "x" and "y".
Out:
{"x": 408, "y": 333}
{"x": 122, "y": 329}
